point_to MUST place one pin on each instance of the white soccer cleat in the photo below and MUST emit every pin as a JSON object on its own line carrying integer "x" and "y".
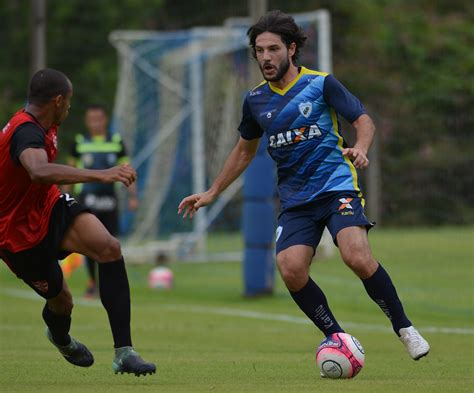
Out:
{"x": 416, "y": 345}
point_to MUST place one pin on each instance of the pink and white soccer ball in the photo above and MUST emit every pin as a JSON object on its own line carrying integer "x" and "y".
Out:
{"x": 340, "y": 356}
{"x": 160, "y": 278}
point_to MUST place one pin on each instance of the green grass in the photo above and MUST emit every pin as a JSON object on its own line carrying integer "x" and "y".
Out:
{"x": 201, "y": 344}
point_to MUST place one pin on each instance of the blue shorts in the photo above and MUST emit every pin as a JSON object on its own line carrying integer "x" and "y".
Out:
{"x": 304, "y": 225}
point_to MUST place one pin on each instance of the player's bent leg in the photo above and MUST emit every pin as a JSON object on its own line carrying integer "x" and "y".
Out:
{"x": 355, "y": 251}
{"x": 293, "y": 264}
{"x": 57, "y": 315}
{"x": 88, "y": 236}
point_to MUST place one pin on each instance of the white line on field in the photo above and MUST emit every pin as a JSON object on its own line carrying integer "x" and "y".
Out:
{"x": 302, "y": 320}
{"x": 234, "y": 312}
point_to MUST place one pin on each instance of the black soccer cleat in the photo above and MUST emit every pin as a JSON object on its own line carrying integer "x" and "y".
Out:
{"x": 75, "y": 352}
{"x": 128, "y": 361}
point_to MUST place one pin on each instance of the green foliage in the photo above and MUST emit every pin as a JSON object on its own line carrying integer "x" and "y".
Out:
{"x": 77, "y": 44}
{"x": 14, "y": 57}
{"x": 411, "y": 63}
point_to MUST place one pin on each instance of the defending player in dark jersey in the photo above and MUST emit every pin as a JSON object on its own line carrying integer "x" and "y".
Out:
{"x": 39, "y": 225}
{"x": 297, "y": 110}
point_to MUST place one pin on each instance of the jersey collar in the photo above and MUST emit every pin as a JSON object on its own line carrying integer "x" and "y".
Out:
{"x": 35, "y": 120}
{"x": 282, "y": 92}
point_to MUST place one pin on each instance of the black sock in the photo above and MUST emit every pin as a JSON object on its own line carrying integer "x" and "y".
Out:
{"x": 381, "y": 290}
{"x": 90, "y": 264}
{"x": 115, "y": 296}
{"x": 58, "y": 325}
{"x": 313, "y": 303}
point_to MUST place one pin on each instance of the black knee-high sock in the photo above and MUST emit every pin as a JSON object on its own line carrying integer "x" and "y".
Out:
{"x": 382, "y": 291}
{"x": 58, "y": 325}
{"x": 313, "y": 303}
{"x": 90, "y": 264}
{"x": 115, "y": 296}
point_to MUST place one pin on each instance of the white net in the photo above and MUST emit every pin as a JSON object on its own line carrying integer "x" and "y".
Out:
{"x": 178, "y": 106}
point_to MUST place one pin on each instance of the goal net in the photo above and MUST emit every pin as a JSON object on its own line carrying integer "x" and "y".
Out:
{"x": 177, "y": 106}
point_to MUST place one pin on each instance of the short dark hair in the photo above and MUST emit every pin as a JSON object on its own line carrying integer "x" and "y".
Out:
{"x": 284, "y": 25}
{"x": 47, "y": 84}
{"x": 96, "y": 107}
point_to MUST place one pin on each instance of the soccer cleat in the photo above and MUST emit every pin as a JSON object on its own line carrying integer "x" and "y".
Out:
{"x": 416, "y": 345}
{"x": 128, "y": 361}
{"x": 75, "y": 352}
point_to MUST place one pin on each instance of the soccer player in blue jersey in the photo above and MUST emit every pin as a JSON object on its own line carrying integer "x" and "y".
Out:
{"x": 297, "y": 110}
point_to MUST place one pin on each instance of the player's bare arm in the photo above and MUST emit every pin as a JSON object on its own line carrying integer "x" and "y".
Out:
{"x": 236, "y": 163}
{"x": 35, "y": 161}
{"x": 365, "y": 130}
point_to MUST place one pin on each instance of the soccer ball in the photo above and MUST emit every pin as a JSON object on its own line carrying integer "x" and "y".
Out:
{"x": 340, "y": 355}
{"x": 160, "y": 278}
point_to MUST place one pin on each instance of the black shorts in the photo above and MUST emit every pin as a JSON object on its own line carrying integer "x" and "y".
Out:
{"x": 38, "y": 266}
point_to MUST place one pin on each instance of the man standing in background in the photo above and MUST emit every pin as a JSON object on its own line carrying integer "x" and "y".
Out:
{"x": 99, "y": 149}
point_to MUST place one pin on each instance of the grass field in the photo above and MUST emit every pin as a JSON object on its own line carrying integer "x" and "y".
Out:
{"x": 205, "y": 337}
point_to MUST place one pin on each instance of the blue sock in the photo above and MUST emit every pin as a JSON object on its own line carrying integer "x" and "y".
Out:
{"x": 313, "y": 303}
{"x": 381, "y": 290}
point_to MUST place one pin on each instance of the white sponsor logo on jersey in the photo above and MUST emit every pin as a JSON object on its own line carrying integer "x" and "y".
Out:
{"x": 294, "y": 136}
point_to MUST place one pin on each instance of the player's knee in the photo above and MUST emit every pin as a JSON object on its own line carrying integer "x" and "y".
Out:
{"x": 62, "y": 304}
{"x": 293, "y": 275}
{"x": 111, "y": 251}
{"x": 67, "y": 307}
{"x": 361, "y": 263}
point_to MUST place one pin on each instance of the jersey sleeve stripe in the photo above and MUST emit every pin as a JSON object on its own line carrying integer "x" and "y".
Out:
{"x": 355, "y": 179}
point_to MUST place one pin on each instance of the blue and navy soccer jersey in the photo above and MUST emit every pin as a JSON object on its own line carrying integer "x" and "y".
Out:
{"x": 302, "y": 128}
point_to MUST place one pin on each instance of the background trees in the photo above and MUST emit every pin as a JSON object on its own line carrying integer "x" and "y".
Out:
{"x": 412, "y": 64}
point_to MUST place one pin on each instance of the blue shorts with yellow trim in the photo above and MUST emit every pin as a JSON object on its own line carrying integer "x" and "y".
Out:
{"x": 304, "y": 224}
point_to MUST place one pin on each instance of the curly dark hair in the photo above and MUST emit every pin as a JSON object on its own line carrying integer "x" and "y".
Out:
{"x": 277, "y": 22}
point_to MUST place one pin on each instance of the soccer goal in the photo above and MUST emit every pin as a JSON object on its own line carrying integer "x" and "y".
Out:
{"x": 178, "y": 105}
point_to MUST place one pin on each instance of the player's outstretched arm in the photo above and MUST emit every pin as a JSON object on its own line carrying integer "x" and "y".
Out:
{"x": 236, "y": 163}
{"x": 35, "y": 161}
{"x": 365, "y": 130}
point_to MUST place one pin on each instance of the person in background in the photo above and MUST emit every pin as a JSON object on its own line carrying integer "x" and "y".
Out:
{"x": 99, "y": 149}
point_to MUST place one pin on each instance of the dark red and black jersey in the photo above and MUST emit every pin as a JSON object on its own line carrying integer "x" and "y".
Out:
{"x": 25, "y": 206}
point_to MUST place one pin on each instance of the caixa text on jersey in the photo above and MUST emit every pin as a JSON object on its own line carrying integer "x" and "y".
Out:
{"x": 294, "y": 136}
